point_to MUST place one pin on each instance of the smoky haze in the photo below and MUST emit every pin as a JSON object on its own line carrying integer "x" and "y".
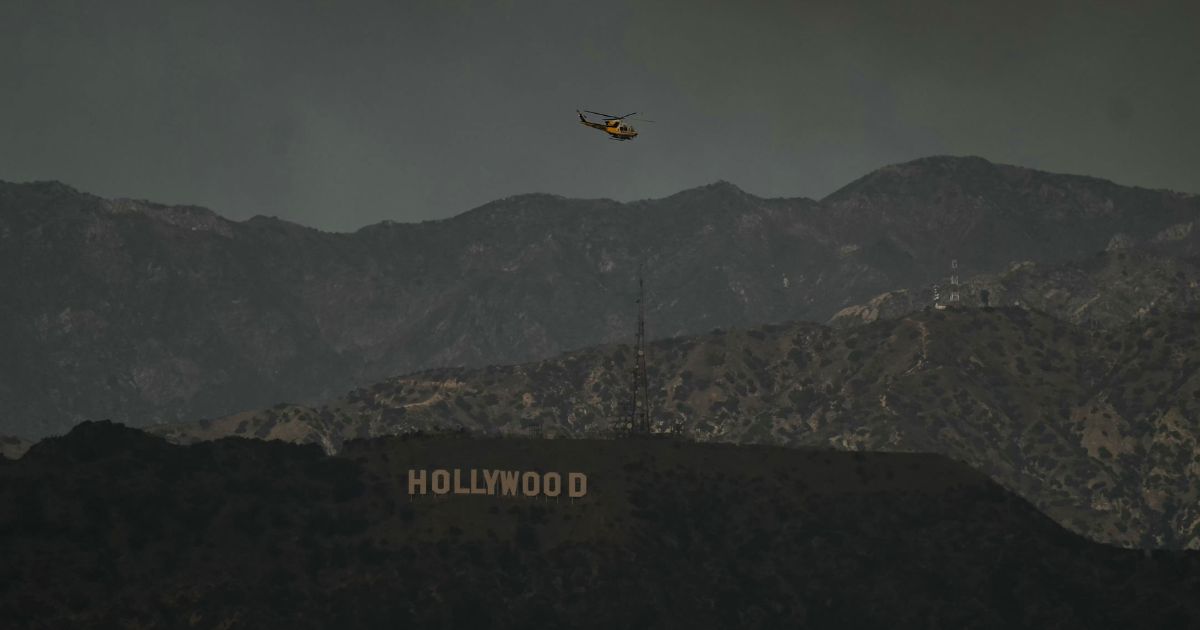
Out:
{"x": 340, "y": 114}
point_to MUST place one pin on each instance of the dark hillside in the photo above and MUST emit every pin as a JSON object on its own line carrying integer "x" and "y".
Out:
{"x": 108, "y": 526}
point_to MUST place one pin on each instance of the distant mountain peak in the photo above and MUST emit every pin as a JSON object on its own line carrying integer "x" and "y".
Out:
{"x": 719, "y": 186}
{"x": 922, "y": 171}
{"x": 718, "y": 189}
{"x": 533, "y": 196}
{"x": 948, "y": 161}
{"x": 723, "y": 184}
{"x": 938, "y": 174}
{"x": 937, "y": 164}
{"x": 49, "y": 185}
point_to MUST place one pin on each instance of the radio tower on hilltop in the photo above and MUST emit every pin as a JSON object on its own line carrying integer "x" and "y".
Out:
{"x": 639, "y": 404}
{"x": 954, "y": 299}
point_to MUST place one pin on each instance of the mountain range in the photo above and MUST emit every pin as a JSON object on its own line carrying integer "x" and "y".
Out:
{"x": 153, "y": 314}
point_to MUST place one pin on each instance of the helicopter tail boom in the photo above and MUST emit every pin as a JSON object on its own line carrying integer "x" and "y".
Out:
{"x": 585, "y": 121}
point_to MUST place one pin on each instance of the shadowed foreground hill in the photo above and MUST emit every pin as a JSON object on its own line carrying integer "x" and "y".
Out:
{"x": 108, "y": 526}
{"x": 149, "y": 313}
{"x": 1098, "y": 428}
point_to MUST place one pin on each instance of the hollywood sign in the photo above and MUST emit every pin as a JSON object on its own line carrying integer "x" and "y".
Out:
{"x": 510, "y": 483}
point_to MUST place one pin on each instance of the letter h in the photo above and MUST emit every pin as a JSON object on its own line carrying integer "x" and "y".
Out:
{"x": 416, "y": 481}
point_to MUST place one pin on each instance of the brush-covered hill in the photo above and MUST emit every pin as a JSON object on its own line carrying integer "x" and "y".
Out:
{"x": 151, "y": 313}
{"x": 1110, "y": 289}
{"x": 1098, "y": 428}
{"x": 109, "y": 527}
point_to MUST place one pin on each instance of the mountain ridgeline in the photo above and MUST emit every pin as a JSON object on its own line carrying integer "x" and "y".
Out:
{"x": 147, "y": 313}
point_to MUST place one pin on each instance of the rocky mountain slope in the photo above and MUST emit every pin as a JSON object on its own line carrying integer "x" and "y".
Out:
{"x": 1112, "y": 288}
{"x": 1098, "y": 428}
{"x": 109, "y": 527}
{"x": 148, "y": 313}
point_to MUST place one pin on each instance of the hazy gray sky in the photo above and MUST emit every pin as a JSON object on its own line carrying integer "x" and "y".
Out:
{"x": 339, "y": 113}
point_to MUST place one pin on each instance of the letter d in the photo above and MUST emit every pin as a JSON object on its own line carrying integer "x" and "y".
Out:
{"x": 576, "y": 485}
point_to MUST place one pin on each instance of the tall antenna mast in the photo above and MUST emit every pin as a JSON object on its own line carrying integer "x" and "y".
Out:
{"x": 639, "y": 409}
{"x": 954, "y": 281}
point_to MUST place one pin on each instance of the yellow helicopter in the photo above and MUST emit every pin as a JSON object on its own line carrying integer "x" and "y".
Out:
{"x": 614, "y": 126}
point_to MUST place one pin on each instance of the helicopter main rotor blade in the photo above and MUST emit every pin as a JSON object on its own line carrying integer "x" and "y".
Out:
{"x": 599, "y": 114}
{"x": 626, "y": 115}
